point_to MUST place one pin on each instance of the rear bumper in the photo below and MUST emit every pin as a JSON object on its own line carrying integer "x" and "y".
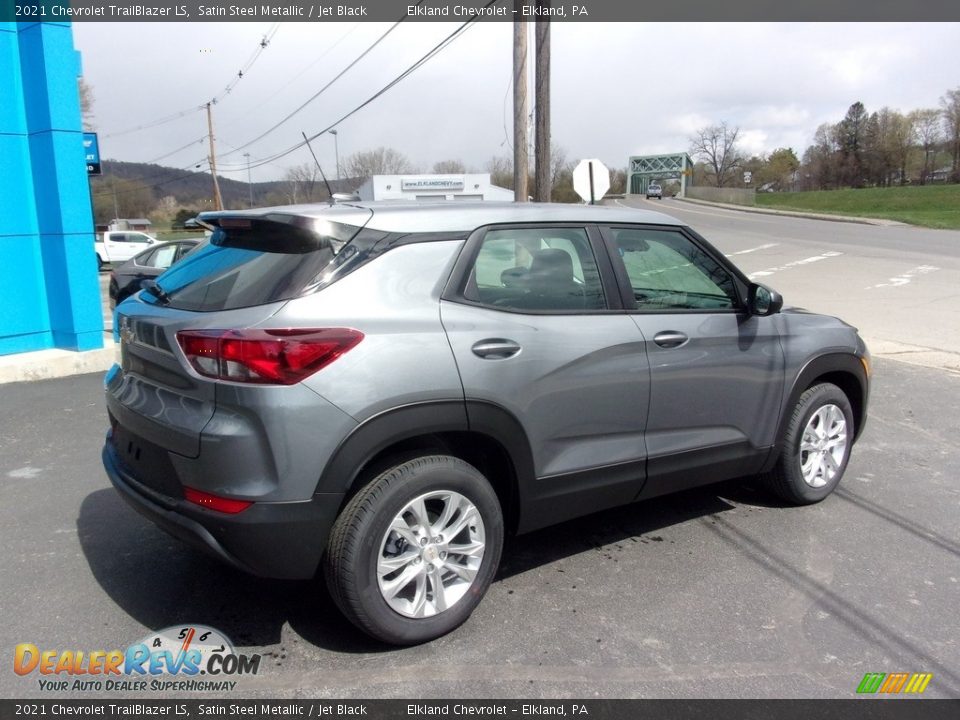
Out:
{"x": 278, "y": 540}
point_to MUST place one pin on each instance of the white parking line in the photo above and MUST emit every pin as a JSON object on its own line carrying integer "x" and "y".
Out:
{"x": 795, "y": 263}
{"x": 906, "y": 277}
{"x": 753, "y": 249}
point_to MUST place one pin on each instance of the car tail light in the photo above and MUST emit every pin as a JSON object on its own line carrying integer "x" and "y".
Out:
{"x": 271, "y": 357}
{"x": 215, "y": 502}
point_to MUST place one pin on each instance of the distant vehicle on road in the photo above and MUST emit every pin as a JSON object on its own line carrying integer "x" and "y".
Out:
{"x": 128, "y": 278}
{"x": 118, "y": 246}
{"x": 654, "y": 190}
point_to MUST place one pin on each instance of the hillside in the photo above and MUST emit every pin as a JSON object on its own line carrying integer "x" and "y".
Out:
{"x": 141, "y": 187}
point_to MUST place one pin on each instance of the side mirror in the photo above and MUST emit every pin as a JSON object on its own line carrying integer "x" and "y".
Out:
{"x": 763, "y": 301}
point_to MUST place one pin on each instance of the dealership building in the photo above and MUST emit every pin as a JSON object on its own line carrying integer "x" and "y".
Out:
{"x": 432, "y": 188}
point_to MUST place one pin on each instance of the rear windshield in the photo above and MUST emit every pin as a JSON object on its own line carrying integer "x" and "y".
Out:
{"x": 253, "y": 262}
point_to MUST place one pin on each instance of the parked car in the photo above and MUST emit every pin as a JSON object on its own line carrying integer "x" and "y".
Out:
{"x": 188, "y": 224}
{"x": 117, "y": 246}
{"x": 128, "y": 277}
{"x": 381, "y": 392}
{"x": 654, "y": 191}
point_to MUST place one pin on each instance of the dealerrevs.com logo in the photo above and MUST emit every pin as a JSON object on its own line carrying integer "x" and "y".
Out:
{"x": 176, "y": 659}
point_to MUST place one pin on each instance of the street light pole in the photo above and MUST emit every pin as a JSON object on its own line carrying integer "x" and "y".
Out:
{"x": 336, "y": 150}
{"x": 249, "y": 184}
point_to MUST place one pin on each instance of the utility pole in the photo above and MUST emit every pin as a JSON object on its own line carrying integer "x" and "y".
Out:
{"x": 336, "y": 149}
{"x": 520, "y": 106}
{"x": 542, "y": 179}
{"x": 249, "y": 183}
{"x": 217, "y": 199}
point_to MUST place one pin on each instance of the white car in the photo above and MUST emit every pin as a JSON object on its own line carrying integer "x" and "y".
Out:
{"x": 117, "y": 246}
{"x": 654, "y": 190}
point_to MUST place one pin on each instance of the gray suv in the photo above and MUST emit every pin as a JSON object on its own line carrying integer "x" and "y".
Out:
{"x": 381, "y": 392}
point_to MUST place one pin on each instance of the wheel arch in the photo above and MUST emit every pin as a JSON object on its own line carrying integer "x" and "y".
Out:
{"x": 846, "y": 371}
{"x": 481, "y": 434}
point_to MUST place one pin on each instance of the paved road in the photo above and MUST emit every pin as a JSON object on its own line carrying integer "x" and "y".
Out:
{"x": 717, "y": 592}
{"x": 899, "y": 285}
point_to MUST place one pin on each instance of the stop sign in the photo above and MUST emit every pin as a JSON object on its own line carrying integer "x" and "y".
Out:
{"x": 591, "y": 180}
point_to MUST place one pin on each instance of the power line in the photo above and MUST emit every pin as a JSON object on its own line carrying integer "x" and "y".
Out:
{"x": 439, "y": 47}
{"x": 174, "y": 152}
{"x": 147, "y": 187}
{"x": 245, "y": 68}
{"x": 325, "y": 87}
{"x": 265, "y": 101}
{"x": 264, "y": 42}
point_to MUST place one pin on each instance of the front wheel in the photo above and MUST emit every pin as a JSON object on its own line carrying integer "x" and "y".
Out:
{"x": 413, "y": 553}
{"x": 816, "y": 446}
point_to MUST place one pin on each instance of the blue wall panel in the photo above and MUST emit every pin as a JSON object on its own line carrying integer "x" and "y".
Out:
{"x": 22, "y": 286}
{"x": 12, "y": 119}
{"x": 19, "y": 215}
{"x": 48, "y": 276}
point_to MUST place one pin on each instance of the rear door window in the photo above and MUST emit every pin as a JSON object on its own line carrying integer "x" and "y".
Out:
{"x": 539, "y": 269}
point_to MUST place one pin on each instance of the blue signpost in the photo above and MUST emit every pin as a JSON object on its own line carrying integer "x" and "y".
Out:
{"x": 91, "y": 147}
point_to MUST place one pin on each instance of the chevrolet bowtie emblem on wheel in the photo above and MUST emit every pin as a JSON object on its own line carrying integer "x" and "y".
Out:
{"x": 127, "y": 334}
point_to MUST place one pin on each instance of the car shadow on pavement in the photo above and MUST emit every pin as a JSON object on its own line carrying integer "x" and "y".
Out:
{"x": 161, "y": 582}
{"x": 638, "y": 522}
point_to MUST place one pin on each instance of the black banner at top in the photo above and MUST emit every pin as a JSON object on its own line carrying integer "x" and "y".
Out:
{"x": 463, "y": 10}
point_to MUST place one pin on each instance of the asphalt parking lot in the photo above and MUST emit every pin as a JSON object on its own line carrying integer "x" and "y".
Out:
{"x": 718, "y": 592}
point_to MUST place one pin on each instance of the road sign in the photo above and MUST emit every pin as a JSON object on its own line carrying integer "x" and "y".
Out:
{"x": 91, "y": 149}
{"x": 591, "y": 180}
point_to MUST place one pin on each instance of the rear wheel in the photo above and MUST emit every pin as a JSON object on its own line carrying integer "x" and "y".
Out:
{"x": 411, "y": 555}
{"x": 816, "y": 446}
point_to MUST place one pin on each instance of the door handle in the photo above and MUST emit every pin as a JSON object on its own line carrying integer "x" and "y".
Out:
{"x": 495, "y": 349}
{"x": 670, "y": 339}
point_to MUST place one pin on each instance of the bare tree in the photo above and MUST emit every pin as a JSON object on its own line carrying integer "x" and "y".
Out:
{"x": 380, "y": 161}
{"x": 716, "y": 145}
{"x": 86, "y": 103}
{"x": 450, "y": 167}
{"x": 501, "y": 171}
{"x": 951, "y": 123}
{"x": 303, "y": 183}
{"x": 926, "y": 128}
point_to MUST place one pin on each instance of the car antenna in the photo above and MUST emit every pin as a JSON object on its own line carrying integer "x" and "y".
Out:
{"x": 325, "y": 181}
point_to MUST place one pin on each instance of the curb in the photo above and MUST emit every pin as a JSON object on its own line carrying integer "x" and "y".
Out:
{"x": 878, "y": 222}
{"x": 48, "y": 364}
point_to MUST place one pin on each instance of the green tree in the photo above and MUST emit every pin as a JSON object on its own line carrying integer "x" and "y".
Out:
{"x": 851, "y": 135}
{"x": 779, "y": 170}
{"x": 926, "y": 124}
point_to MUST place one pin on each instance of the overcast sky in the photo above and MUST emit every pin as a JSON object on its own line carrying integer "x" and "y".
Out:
{"x": 617, "y": 90}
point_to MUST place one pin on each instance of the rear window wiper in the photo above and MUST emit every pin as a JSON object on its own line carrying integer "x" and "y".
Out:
{"x": 153, "y": 287}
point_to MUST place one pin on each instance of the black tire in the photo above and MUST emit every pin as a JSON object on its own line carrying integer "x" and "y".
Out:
{"x": 787, "y": 477}
{"x": 357, "y": 544}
